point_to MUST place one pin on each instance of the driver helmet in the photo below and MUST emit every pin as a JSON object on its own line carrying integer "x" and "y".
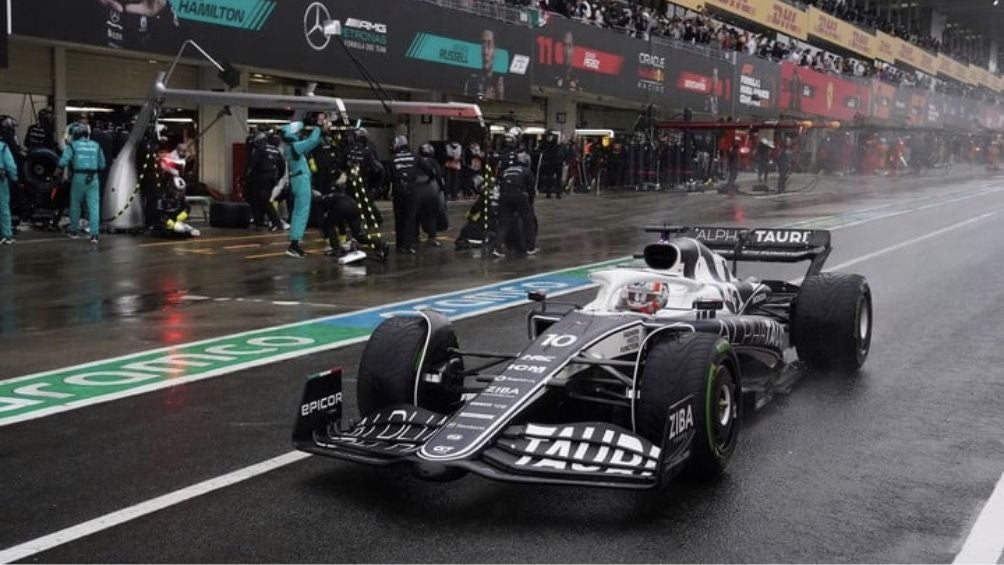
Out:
{"x": 427, "y": 150}
{"x": 646, "y": 297}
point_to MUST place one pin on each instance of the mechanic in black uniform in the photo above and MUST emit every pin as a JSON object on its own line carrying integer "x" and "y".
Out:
{"x": 340, "y": 212}
{"x": 265, "y": 166}
{"x": 404, "y": 196}
{"x": 517, "y": 223}
{"x": 20, "y": 204}
{"x": 550, "y": 167}
{"x": 783, "y": 163}
{"x": 42, "y": 134}
{"x": 361, "y": 160}
{"x": 428, "y": 187}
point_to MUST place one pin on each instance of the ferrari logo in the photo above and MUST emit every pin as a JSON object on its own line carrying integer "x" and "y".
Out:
{"x": 829, "y": 96}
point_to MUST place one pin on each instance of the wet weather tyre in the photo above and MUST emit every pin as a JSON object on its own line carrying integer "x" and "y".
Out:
{"x": 389, "y": 369}
{"x": 831, "y": 322}
{"x": 702, "y": 367}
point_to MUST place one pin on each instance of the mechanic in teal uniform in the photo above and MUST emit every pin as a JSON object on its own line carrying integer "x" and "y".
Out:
{"x": 297, "y": 152}
{"x": 8, "y": 176}
{"x": 85, "y": 159}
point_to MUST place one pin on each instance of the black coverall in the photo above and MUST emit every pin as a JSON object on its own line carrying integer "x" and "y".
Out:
{"x": 550, "y": 169}
{"x": 265, "y": 167}
{"x": 405, "y": 199}
{"x": 428, "y": 181}
{"x": 517, "y": 222}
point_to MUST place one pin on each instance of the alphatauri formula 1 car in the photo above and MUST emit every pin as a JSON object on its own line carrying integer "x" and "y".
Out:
{"x": 648, "y": 380}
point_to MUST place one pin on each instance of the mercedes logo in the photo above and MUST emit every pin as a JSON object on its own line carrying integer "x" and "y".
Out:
{"x": 313, "y": 25}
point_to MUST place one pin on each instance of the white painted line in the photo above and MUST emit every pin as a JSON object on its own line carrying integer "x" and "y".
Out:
{"x": 909, "y": 242}
{"x": 118, "y": 517}
{"x": 985, "y": 543}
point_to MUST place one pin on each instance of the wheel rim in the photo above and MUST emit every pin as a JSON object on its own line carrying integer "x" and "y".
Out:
{"x": 864, "y": 326}
{"x": 724, "y": 410}
{"x": 724, "y": 406}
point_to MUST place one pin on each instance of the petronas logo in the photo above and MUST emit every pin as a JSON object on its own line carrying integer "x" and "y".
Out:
{"x": 250, "y": 15}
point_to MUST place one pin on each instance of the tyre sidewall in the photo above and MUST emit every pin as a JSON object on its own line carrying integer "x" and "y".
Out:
{"x": 685, "y": 366}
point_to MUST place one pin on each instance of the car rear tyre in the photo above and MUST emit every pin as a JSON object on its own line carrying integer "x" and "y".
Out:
{"x": 831, "y": 322}
{"x": 390, "y": 367}
{"x": 704, "y": 367}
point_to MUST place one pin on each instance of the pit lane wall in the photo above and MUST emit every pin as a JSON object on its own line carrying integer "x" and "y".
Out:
{"x": 415, "y": 45}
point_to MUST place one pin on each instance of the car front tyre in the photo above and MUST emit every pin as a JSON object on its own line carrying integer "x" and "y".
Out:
{"x": 702, "y": 367}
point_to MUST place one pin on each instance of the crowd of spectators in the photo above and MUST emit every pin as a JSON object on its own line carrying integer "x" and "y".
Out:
{"x": 645, "y": 19}
{"x": 869, "y": 19}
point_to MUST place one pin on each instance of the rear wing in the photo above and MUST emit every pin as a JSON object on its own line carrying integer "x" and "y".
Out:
{"x": 768, "y": 245}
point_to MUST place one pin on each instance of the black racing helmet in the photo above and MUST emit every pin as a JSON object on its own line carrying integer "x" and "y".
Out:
{"x": 427, "y": 150}
{"x": 45, "y": 117}
{"x": 8, "y": 127}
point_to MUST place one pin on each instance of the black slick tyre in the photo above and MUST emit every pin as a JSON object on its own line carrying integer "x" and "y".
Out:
{"x": 831, "y": 322}
{"x": 392, "y": 362}
{"x": 701, "y": 367}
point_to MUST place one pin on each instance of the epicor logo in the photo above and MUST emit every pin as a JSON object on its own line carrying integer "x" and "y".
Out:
{"x": 314, "y": 18}
{"x": 325, "y": 403}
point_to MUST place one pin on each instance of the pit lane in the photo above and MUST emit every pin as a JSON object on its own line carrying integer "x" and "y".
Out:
{"x": 892, "y": 465}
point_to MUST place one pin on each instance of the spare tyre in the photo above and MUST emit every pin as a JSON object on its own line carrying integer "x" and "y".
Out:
{"x": 40, "y": 167}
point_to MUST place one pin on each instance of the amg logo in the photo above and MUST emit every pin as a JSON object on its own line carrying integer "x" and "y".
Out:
{"x": 781, "y": 236}
{"x": 365, "y": 25}
{"x": 680, "y": 421}
{"x": 323, "y": 404}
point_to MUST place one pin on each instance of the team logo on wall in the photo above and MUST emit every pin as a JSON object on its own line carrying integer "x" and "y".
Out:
{"x": 314, "y": 19}
{"x": 356, "y": 33}
{"x": 651, "y": 73}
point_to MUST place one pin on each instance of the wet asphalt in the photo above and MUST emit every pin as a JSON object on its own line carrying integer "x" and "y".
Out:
{"x": 890, "y": 465}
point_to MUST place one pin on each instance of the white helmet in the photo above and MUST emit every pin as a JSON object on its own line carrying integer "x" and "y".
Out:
{"x": 646, "y": 297}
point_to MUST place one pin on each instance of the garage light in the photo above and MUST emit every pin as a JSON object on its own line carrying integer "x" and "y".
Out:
{"x": 603, "y": 132}
{"x": 90, "y": 109}
{"x": 176, "y": 120}
{"x": 263, "y": 121}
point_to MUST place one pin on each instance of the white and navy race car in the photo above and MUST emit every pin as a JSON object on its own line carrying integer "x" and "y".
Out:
{"x": 648, "y": 380}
